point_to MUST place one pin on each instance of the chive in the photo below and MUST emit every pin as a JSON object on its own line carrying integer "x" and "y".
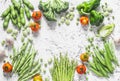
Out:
{"x": 62, "y": 19}
{"x": 113, "y": 17}
{"x": 77, "y": 23}
{"x": 78, "y": 19}
{"x": 59, "y": 24}
{"x": 24, "y": 33}
{"x": 45, "y": 65}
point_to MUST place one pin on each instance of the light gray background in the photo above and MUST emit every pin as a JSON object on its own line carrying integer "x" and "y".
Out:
{"x": 53, "y": 39}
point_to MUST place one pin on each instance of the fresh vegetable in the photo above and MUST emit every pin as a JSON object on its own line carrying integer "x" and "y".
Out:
{"x": 88, "y": 6}
{"x": 34, "y": 27}
{"x": 63, "y": 69}
{"x": 36, "y": 15}
{"x": 81, "y": 69}
{"x": 5, "y": 13}
{"x": 23, "y": 61}
{"x": 7, "y": 67}
{"x": 37, "y": 77}
{"x": 84, "y": 57}
{"x": 52, "y": 7}
{"x": 96, "y": 18}
{"x": 106, "y": 30}
{"x": 28, "y": 4}
{"x": 104, "y": 60}
{"x": 15, "y": 13}
{"x": 84, "y": 20}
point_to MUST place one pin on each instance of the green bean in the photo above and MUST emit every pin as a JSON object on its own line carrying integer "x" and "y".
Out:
{"x": 19, "y": 22}
{"x": 22, "y": 16}
{"x": 28, "y": 4}
{"x": 30, "y": 76}
{"x": 6, "y": 21}
{"x": 108, "y": 62}
{"x": 13, "y": 13}
{"x": 16, "y": 4}
{"x": 27, "y": 12}
{"x": 99, "y": 65}
{"x": 96, "y": 72}
{"x": 5, "y": 13}
{"x": 97, "y": 53}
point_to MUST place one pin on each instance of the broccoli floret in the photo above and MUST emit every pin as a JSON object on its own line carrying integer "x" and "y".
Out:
{"x": 51, "y": 7}
{"x": 50, "y": 15}
{"x": 61, "y": 6}
{"x": 44, "y": 6}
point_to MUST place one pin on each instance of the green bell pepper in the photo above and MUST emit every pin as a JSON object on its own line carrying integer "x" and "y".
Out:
{"x": 88, "y": 6}
{"x": 96, "y": 18}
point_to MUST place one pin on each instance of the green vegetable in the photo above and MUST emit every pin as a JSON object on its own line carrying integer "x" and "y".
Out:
{"x": 50, "y": 15}
{"x": 5, "y": 13}
{"x": 9, "y": 30}
{"x": 16, "y": 4}
{"x": 6, "y": 21}
{"x": 22, "y": 16}
{"x": 106, "y": 30}
{"x": 13, "y": 11}
{"x": 63, "y": 69}
{"x": 28, "y": 4}
{"x": 88, "y": 6}
{"x": 23, "y": 62}
{"x": 27, "y": 12}
{"x": 104, "y": 60}
{"x": 96, "y": 18}
{"x": 53, "y": 7}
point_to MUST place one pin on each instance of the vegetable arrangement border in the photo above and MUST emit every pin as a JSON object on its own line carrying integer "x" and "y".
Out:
{"x": 103, "y": 60}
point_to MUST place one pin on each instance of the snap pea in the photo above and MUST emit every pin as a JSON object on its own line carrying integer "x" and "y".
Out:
{"x": 13, "y": 13}
{"x": 14, "y": 21}
{"x": 5, "y": 13}
{"x": 19, "y": 23}
{"x": 96, "y": 72}
{"x": 27, "y": 12}
{"x": 16, "y": 4}
{"x": 22, "y": 16}
{"x": 97, "y": 53}
{"x": 28, "y": 4}
{"x": 6, "y": 21}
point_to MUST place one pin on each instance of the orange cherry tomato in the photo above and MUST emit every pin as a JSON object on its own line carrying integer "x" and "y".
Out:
{"x": 84, "y": 20}
{"x": 37, "y": 78}
{"x": 84, "y": 57}
{"x": 81, "y": 69}
{"x": 34, "y": 26}
{"x": 36, "y": 15}
{"x": 7, "y": 67}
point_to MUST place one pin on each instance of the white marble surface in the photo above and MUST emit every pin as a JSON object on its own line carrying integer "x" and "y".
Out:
{"x": 53, "y": 39}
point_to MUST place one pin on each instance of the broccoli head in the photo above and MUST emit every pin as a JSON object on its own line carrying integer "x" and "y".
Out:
{"x": 50, "y": 15}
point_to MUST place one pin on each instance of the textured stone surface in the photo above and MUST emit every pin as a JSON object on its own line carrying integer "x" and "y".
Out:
{"x": 72, "y": 39}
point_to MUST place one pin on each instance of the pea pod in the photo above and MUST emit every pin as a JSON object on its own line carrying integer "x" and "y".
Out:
{"x": 6, "y": 21}
{"x": 14, "y": 21}
{"x": 13, "y": 13}
{"x": 16, "y": 4}
{"x": 5, "y": 13}
{"x": 22, "y": 16}
{"x": 19, "y": 23}
{"x": 27, "y": 12}
{"x": 28, "y": 4}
